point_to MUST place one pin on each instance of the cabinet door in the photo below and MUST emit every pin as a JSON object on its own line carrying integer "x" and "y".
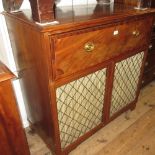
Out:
{"x": 80, "y": 106}
{"x": 125, "y": 84}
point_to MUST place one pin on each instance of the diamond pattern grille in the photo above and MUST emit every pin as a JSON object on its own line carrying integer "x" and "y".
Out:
{"x": 80, "y": 106}
{"x": 126, "y": 78}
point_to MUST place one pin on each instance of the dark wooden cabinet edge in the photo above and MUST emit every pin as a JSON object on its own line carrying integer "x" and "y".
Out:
{"x": 11, "y": 120}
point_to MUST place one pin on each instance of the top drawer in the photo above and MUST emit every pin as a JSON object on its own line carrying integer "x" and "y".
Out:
{"x": 82, "y": 49}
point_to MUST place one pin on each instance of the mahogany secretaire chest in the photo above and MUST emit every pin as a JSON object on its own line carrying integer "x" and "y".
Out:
{"x": 82, "y": 70}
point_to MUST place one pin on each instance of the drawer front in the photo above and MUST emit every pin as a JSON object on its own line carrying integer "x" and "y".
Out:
{"x": 81, "y": 50}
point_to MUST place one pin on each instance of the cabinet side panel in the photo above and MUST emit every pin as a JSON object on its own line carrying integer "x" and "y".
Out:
{"x": 31, "y": 61}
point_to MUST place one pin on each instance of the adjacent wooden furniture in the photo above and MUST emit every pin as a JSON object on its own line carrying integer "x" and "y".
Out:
{"x": 149, "y": 72}
{"x": 81, "y": 72}
{"x": 12, "y": 136}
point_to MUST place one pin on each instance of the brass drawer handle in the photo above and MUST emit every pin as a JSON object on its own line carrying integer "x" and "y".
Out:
{"x": 89, "y": 47}
{"x": 136, "y": 33}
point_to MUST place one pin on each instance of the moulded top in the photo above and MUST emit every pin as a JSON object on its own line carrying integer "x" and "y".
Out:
{"x": 83, "y": 16}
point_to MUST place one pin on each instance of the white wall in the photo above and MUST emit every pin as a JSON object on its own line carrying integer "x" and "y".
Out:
{"x": 6, "y": 56}
{"x": 6, "y": 51}
{"x": 2, "y": 50}
{"x": 26, "y": 5}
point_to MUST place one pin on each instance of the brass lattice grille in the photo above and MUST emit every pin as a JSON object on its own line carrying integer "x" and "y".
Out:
{"x": 80, "y": 106}
{"x": 126, "y": 78}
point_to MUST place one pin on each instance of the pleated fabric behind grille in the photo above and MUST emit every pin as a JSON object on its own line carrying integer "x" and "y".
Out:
{"x": 80, "y": 106}
{"x": 126, "y": 78}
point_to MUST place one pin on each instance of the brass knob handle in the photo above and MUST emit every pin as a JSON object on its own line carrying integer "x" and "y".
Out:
{"x": 146, "y": 64}
{"x": 89, "y": 47}
{"x": 150, "y": 46}
{"x": 136, "y": 33}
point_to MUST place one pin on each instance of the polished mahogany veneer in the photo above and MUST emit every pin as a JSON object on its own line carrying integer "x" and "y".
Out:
{"x": 12, "y": 137}
{"x": 129, "y": 36}
{"x": 81, "y": 72}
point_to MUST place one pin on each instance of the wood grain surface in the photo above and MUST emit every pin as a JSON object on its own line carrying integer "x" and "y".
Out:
{"x": 12, "y": 135}
{"x": 107, "y": 45}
